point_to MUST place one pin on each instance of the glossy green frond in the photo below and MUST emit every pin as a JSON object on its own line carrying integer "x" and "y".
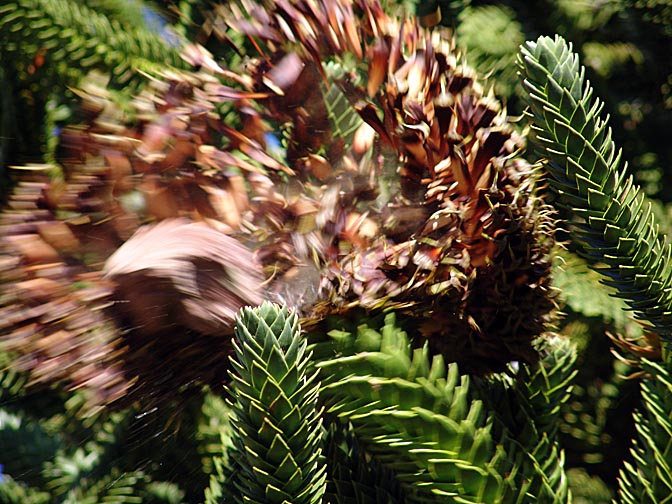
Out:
{"x": 613, "y": 223}
{"x": 276, "y": 421}
{"x": 648, "y": 478}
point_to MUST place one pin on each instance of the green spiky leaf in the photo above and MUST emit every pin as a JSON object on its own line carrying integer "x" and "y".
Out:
{"x": 612, "y": 223}
{"x": 428, "y": 425}
{"x": 648, "y": 477}
{"x": 277, "y": 428}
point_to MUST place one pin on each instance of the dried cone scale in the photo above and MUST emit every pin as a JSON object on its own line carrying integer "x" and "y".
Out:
{"x": 420, "y": 205}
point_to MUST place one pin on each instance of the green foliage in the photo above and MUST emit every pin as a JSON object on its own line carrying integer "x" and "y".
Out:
{"x": 493, "y": 50}
{"x": 276, "y": 422}
{"x": 527, "y": 410}
{"x": 214, "y": 431}
{"x": 580, "y": 289}
{"x": 592, "y": 426}
{"x": 352, "y": 476}
{"x": 126, "y": 456}
{"x": 585, "y": 15}
{"x": 398, "y": 425}
{"x": 443, "y": 438}
{"x": 657, "y": 12}
{"x": 414, "y": 417}
{"x": 343, "y": 118}
{"x": 50, "y": 46}
{"x": 449, "y": 9}
{"x": 613, "y": 224}
{"x": 596, "y": 422}
{"x": 604, "y": 58}
{"x": 31, "y": 445}
{"x": 648, "y": 479}
{"x": 541, "y": 393}
{"x": 12, "y": 383}
{"x": 75, "y": 39}
{"x": 13, "y": 492}
{"x": 587, "y": 489}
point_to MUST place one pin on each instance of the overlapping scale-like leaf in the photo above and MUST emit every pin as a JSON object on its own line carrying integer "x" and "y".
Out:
{"x": 353, "y": 477}
{"x": 613, "y": 224}
{"x": 427, "y": 431}
{"x": 540, "y": 394}
{"x": 277, "y": 425}
{"x": 648, "y": 478}
{"x": 428, "y": 424}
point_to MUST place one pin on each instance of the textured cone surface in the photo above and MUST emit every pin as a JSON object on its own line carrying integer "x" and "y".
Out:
{"x": 414, "y": 202}
{"x": 434, "y": 216}
{"x": 66, "y": 317}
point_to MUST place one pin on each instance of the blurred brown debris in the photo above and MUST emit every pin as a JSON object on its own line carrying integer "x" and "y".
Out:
{"x": 124, "y": 274}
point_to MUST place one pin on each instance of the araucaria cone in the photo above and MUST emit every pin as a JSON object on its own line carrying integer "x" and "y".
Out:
{"x": 361, "y": 166}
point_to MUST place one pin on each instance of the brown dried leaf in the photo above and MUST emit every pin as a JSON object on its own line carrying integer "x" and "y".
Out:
{"x": 33, "y": 249}
{"x": 227, "y": 93}
{"x": 59, "y": 235}
{"x": 254, "y": 150}
{"x": 351, "y": 32}
{"x": 368, "y": 112}
{"x": 363, "y": 139}
{"x": 40, "y": 289}
{"x": 120, "y": 170}
{"x": 222, "y": 160}
{"x": 378, "y": 63}
{"x": 319, "y": 167}
{"x": 179, "y": 155}
{"x": 224, "y": 204}
{"x": 160, "y": 200}
{"x": 285, "y": 74}
{"x": 235, "y": 185}
{"x": 186, "y": 272}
